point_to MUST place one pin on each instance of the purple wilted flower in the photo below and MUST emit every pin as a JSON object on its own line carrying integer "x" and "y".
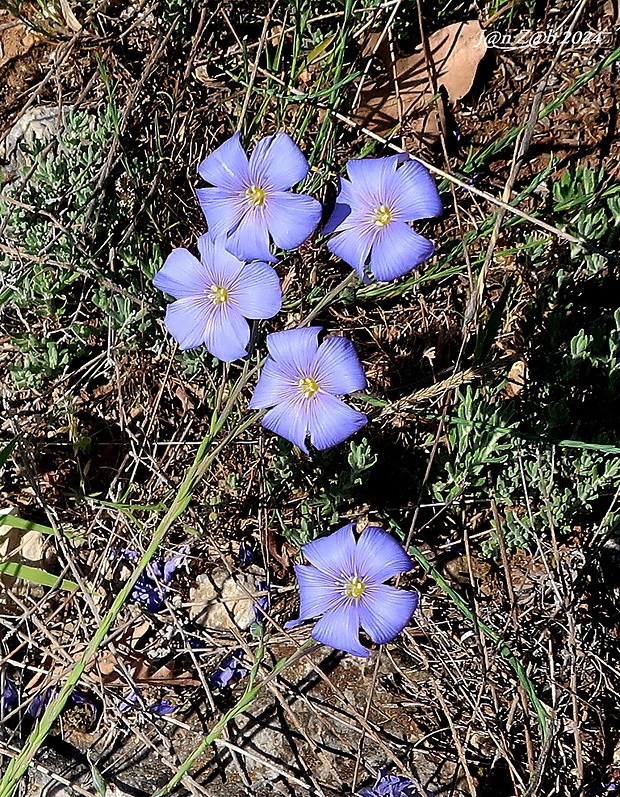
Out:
{"x": 251, "y": 200}
{"x": 214, "y": 297}
{"x": 41, "y": 701}
{"x": 393, "y": 786}
{"x": 129, "y": 702}
{"x": 9, "y": 694}
{"x": 345, "y": 584}
{"x": 152, "y": 586}
{"x": 372, "y": 211}
{"x": 230, "y": 670}
{"x": 262, "y": 603}
{"x": 301, "y": 380}
{"x": 245, "y": 555}
{"x": 162, "y": 707}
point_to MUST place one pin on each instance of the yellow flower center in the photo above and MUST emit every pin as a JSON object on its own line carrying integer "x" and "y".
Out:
{"x": 308, "y": 386}
{"x": 219, "y": 294}
{"x": 355, "y": 587}
{"x": 383, "y": 215}
{"x": 256, "y": 196}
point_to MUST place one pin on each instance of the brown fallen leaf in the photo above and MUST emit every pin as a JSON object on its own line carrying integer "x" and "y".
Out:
{"x": 456, "y": 51}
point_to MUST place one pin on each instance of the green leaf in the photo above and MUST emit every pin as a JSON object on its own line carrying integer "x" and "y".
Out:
{"x": 7, "y": 451}
{"x": 36, "y": 576}
{"x": 320, "y": 49}
{"x": 27, "y": 525}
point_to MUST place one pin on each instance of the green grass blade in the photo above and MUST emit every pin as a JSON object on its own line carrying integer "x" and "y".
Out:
{"x": 36, "y": 576}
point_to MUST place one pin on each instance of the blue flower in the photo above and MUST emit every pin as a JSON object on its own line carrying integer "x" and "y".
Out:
{"x": 251, "y": 200}
{"x": 162, "y": 707}
{"x": 230, "y": 671}
{"x": 301, "y": 380}
{"x": 159, "y": 707}
{"x": 393, "y": 786}
{"x": 371, "y": 215}
{"x": 41, "y": 701}
{"x": 214, "y": 296}
{"x": 263, "y": 603}
{"x": 9, "y": 695}
{"x": 344, "y": 584}
{"x": 152, "y": 586}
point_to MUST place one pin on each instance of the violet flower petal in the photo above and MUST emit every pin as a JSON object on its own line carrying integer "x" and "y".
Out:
{"x": 339, "y": 215}
{"x": 221, "y": 268}
{"x": 250, "y": 239}
{"x": 227, "y": 334}
{"x": 162, "y": 707}
{"x": 291, "y": 218}
{"x": 318, "y": 593}
{"x": 129, "y": 702}
{"x": 9, "y": 695}
{"x": 223, "y": 210}
{"x": 296, "y": 347}
{"x": 277, "y": 163}
{"x": 384, "y": 611}
{"x": 330, "y": 420}
{"x": 290, "y": 421}
{"x": 339, "y": 628}
{"x": 275, "y": 386}
{"x": 398, "y": 250}
{"x": 258, "y": 294}
{"x": 182, "y": 275}
{"x": 379, "y": 556}
{"x": 337, "y": 368}
{"x": 187, "y": 320}
{"x": 353, "y": 245}
{"x": 333, "y": 555}
{"x": 416, "y": 191}
{"x": 227, "y": 166}
{"x": 370, "y": 175}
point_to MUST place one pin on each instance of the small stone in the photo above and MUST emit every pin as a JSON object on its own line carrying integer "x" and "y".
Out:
{"x": 221, "y": 601}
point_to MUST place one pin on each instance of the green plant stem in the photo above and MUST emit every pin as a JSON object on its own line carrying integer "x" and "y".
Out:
{"x": 251, "y": 692}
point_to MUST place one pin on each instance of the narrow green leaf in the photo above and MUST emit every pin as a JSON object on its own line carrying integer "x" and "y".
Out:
{"x": 28, "y": 525}
{"x": 99, "y": 784}
{"x": 320, "y": 49}
{"x": 7, "y": 451}
{"x": 36, "y": 576}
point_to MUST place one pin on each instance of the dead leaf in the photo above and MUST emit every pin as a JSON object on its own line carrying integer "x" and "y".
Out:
{"x": 70, "y": 18}
{"x": 456, "y": 51}
{"x": 516, "y": 379}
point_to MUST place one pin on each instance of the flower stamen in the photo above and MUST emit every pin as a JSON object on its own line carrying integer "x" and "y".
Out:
{"x": 219, "y": 294}
{"x": 354, "y": 588}
{"x": 382, "y": 216}
{"x": 257, "y": 196}
{"x": 308, "y": 386}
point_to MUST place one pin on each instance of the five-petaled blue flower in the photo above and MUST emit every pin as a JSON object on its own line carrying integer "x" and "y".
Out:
{"x": 345, "y": 584}
{"x": 371, "y": 215}
{"x": 301, "y": 380}
{"x": 251, "y": 200}
{"x": 214, "y": 296}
